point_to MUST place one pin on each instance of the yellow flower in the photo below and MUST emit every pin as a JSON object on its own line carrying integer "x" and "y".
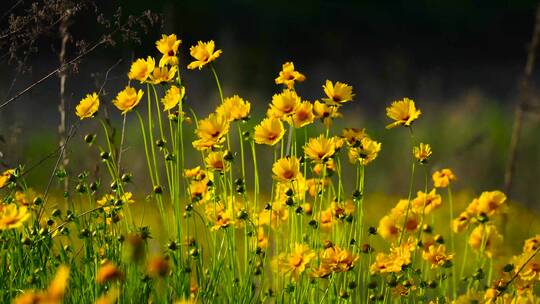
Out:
{"x": 437, "y": 255}
{"x": 278, "y": 215}
{"x": 288, "y": 76}
{"x": 211, "y": 132}
{"x": 204, "y": 53}
{"x": 353, "y": 136}
{"x": 326, "y": 219}
{"x": 532, "y": 244}
{"x": 216, "y": 161}
{"x": 491, "y": 202}
{"x": 325, "y": 113}
{"x": 108, "y": 272}
{"x": 269, "y": 131}
{"x": 296, "y": 262}
{"x": 320, "y": 148}
{"x": 173, "y": 96}
{"x": 366, "y": 152}
{"x": 531, "y": 267}
{"x": 168, "y": 46}
{"x": 303, "y": 115}
{"x": 459, "y": 224}
{"x": 88, "y": 106}
{"x": 158, "y": 267}
{"x": 163, "y": 74}
{"x": 220, "y": 216}
{"x": 6, "y": 177}
{"x": 422, "y": 152}
{"x": 262, "y": 238}
{"x": 54, "y": 294}
{"x": 286, "y": 169}
{"x": 127, "y": 99}
{"x": 396, "y": 259}
{"x": 141, "y": 69}
{"x": 338, "y": 260}
{"x": 284, "y": 104}
{"x": 234, "y": 108}
{"x": 12, "y": 216}
{"x": 389, "y": 227}
{"x": 58, "y": 285}
{"x": 486, "y": 238}
{"x": 403, "y": 112}
{"x": 25, "y": 198}
{"x": 442, "y": 178}
{"x": 329, "y": 165}
{"x": 424, "y": 203}
{"x": 337, "y": 93}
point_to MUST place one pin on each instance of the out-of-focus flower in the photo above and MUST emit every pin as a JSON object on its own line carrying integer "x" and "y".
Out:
{"x": 13, "y": 216}
{"x": 442, "y": 178}
{"x": 365, "y": 152}
{"x": 485, "y": 238}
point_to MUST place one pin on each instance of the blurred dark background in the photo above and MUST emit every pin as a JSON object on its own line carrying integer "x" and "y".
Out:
{"x": 461, "y": 61}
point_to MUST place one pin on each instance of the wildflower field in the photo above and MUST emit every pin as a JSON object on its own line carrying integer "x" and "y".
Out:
{"x": 219, "y": 224}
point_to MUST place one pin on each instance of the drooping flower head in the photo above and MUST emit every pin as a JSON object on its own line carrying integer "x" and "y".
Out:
{"x": 403, "y": 112}
{"x": 168, "y": 46}
{"x": 127, "y": 99}
{"x": 338, "y": 93}
{"x": 288, "y": 76}
{"x": 88, "y": 106}
{"x": 142, "y": 69}
{"x": 173, "y": 96}
{"x": 234, "y": 108}
{"x": 204, "y": 53}
{"x": 269, "y": 131}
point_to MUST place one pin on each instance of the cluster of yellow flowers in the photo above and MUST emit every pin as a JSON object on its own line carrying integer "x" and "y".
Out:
{"x": 304, "y": 194}
{"x": 484, "y": 236}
